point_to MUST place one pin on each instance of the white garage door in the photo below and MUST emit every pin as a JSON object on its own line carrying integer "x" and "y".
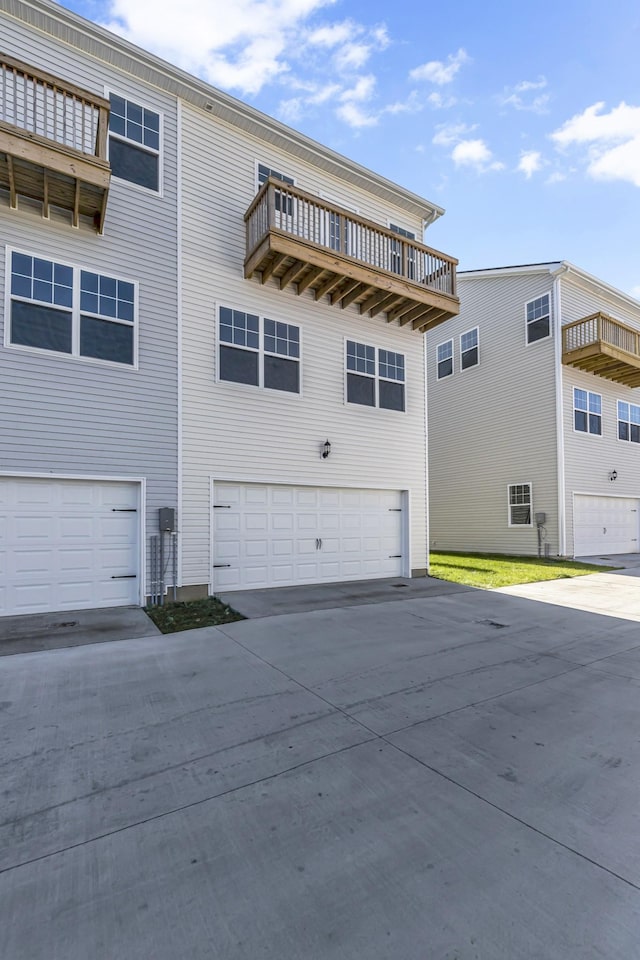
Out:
{"x": 267, "y": 535}
{"x": 605, "y": 525}
{"x": 67, "y": 544}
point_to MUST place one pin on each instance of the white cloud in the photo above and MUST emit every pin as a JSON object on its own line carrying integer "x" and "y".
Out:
{"x": 517, "y": 98}
{"x": 438, "y": 72}
{"x": 612, "y": 141}
{"x": 530, "y": 162}
{"x": 331, "y": 36}
{"x": 438, "y": 102}
{"x": 556, "y": 177}
{"x": 361, "y": 90}
{"x": 241, "y": 45}
{"x": 355, "y": 116}
{"x": 450, "y": 133}
{"x": 635, "y": 292}
{"x": 475, "y": 154}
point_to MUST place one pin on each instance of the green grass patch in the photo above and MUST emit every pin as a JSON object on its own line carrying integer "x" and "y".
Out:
{"x": 190, "y": 614}
{"x": 490, "y": 570}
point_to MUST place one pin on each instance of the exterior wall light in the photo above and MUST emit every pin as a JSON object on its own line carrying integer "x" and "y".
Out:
{"x": 613, "y": 475}
{"x": 326, "y": 449}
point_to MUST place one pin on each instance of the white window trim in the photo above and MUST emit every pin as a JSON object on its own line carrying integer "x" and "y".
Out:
{"x": 477, "y": 347}
{"x": 520, "y": 526}
{"x": 376, "y": 377}
{"x": 629, "y": 442}
{"x": 251, "y": 387}
{"x": 75, "y": 312}
{"x": 453, "y": 363}
{"x": 587, "y": 433}
{"x": 156, "y": 153}
{"x": 526, "y": 323}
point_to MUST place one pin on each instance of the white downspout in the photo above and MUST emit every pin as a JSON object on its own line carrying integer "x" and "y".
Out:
{"x": 557, "y": 327}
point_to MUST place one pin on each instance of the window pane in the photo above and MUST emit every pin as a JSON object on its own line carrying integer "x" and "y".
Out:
{"x": 391, "y": 395}
{"x": 21, "y": 286}
{"x": 595, "y": 424}
{"x": 521, "y": 514}
{"x": 361, "y": 390}
{"x": 580, "y": 399}
{"x": 43, "y": 327}
{"x": 469, "y": 358}
{"x": 538, "y": 330}
{"x": 580, "y": 420}
{"x": 623, "y": 430}
{"x": 281, "y": 374}
{"x": 22, "y": 264}
{"x": 635, "y": 433}
{"x": 106, "y": 341}
{"x": 131, "y": 163}
{"x": 238, "y": 366}
{"x": 445, "y": 368}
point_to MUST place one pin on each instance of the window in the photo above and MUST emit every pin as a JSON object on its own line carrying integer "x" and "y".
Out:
{"x": 628, "y": 422}
{"x": 263, "y": 175}
{"x": 538, "y": 319}
{"x": 375, "y": 377}
{"x": 134, "y": 143}
{"x": 258, "y": 351}
{"x": 469, "y": 349}
{"x": 587, "y": 412}
{"x": 520, "y": 505}
{"x": 397, "y": 265}
{"x": 445, "y": 359}
{"x": 70, "y": 310}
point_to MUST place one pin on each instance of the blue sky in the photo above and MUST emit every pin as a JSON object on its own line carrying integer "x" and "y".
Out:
{"x": 521, "y": 120}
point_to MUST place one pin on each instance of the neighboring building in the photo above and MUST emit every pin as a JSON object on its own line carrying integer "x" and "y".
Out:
{"x": 173, "y": 340}
{"x": 534, "y": 415}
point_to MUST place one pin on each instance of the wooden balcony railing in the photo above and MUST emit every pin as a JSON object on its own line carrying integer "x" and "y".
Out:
{"x": 298, "y": 238}
{"x": 604, "y": 346}
{"x": 53, "y": 141}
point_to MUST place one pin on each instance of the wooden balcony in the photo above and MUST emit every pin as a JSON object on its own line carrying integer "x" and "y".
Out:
{"x": 306, "y": 243}
{"x": 604, "y": 346}
{"x": 53, "y": 142}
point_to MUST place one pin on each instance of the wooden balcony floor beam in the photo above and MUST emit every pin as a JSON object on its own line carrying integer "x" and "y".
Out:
{"x": 327, "y": 285}
{"x": 290, "y": 274}
{"x": 309, "y": 279}
{"x": 343, "y": 291}
{"x": 272, "y": 265}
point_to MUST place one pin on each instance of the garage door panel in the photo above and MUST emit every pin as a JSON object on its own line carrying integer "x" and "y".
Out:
{"x": 314, "y": 535}
{"x": 65, "y": 542}
{"x": 607, "y": 525}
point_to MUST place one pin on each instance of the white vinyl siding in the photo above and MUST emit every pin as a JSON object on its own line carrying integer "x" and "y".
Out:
{"x": 271, "y": 437}
{"x": 68, "y": 416}
{"x": 587, "y": 473}
{"x": 491, "y": 428}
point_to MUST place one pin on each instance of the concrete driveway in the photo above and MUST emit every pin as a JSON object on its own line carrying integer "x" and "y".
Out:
{"x": 453, "y": 777}
{"x": 613, "y": 593}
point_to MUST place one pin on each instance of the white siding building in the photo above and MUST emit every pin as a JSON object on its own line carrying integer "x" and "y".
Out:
{"x": 534, "y": 415}
{"x": 198, "y": 303}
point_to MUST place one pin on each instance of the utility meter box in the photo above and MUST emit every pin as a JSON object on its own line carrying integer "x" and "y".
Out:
{"x": 167, "y": 518}
{"x": 541, "y": 519}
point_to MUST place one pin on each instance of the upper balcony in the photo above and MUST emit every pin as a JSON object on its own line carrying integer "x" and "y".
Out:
{"x": 604, "y": 346}
{"x": 296, "y": 238}
{"x": 53, "y": 142}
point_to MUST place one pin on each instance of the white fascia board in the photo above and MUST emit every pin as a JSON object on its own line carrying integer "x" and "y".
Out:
{"x": 55, "y": 21}
{"x": 587, "y": 279}
{"x": 510, "y": 271}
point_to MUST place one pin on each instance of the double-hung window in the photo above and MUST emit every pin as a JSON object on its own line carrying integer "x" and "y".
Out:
{"x": 587, "y": 412}
{"x": 469, "y": 349}
{"x": 519, "y": 498}
{"x": 375, "y": 377}
{"x": 538, "y": 319}
{"x": 134, "y": 143}
{"x": 445, "y": 359}
{"x": 264, "y": 173}
{"x": 257, "y": 351}
{"x": 69, "y": 310}
{"x": 628, "y": 421}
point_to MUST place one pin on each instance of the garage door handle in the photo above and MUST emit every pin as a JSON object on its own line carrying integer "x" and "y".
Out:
{"x": 395, "y": 556}
{"x": 125, "y": 576}
{"x": 219, "y": 566}
{"x": 123, "y": 510}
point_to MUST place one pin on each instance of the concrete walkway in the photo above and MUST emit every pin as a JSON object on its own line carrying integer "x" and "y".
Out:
{"x": 72, "y": 628}
{"x": 615, "y": 593}
{"x": 452, "y": 777}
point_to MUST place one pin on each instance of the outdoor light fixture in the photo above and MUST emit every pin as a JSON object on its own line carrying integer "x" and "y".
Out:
{"x": 326, "y": 449}
{"x": 613, "y": 474}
